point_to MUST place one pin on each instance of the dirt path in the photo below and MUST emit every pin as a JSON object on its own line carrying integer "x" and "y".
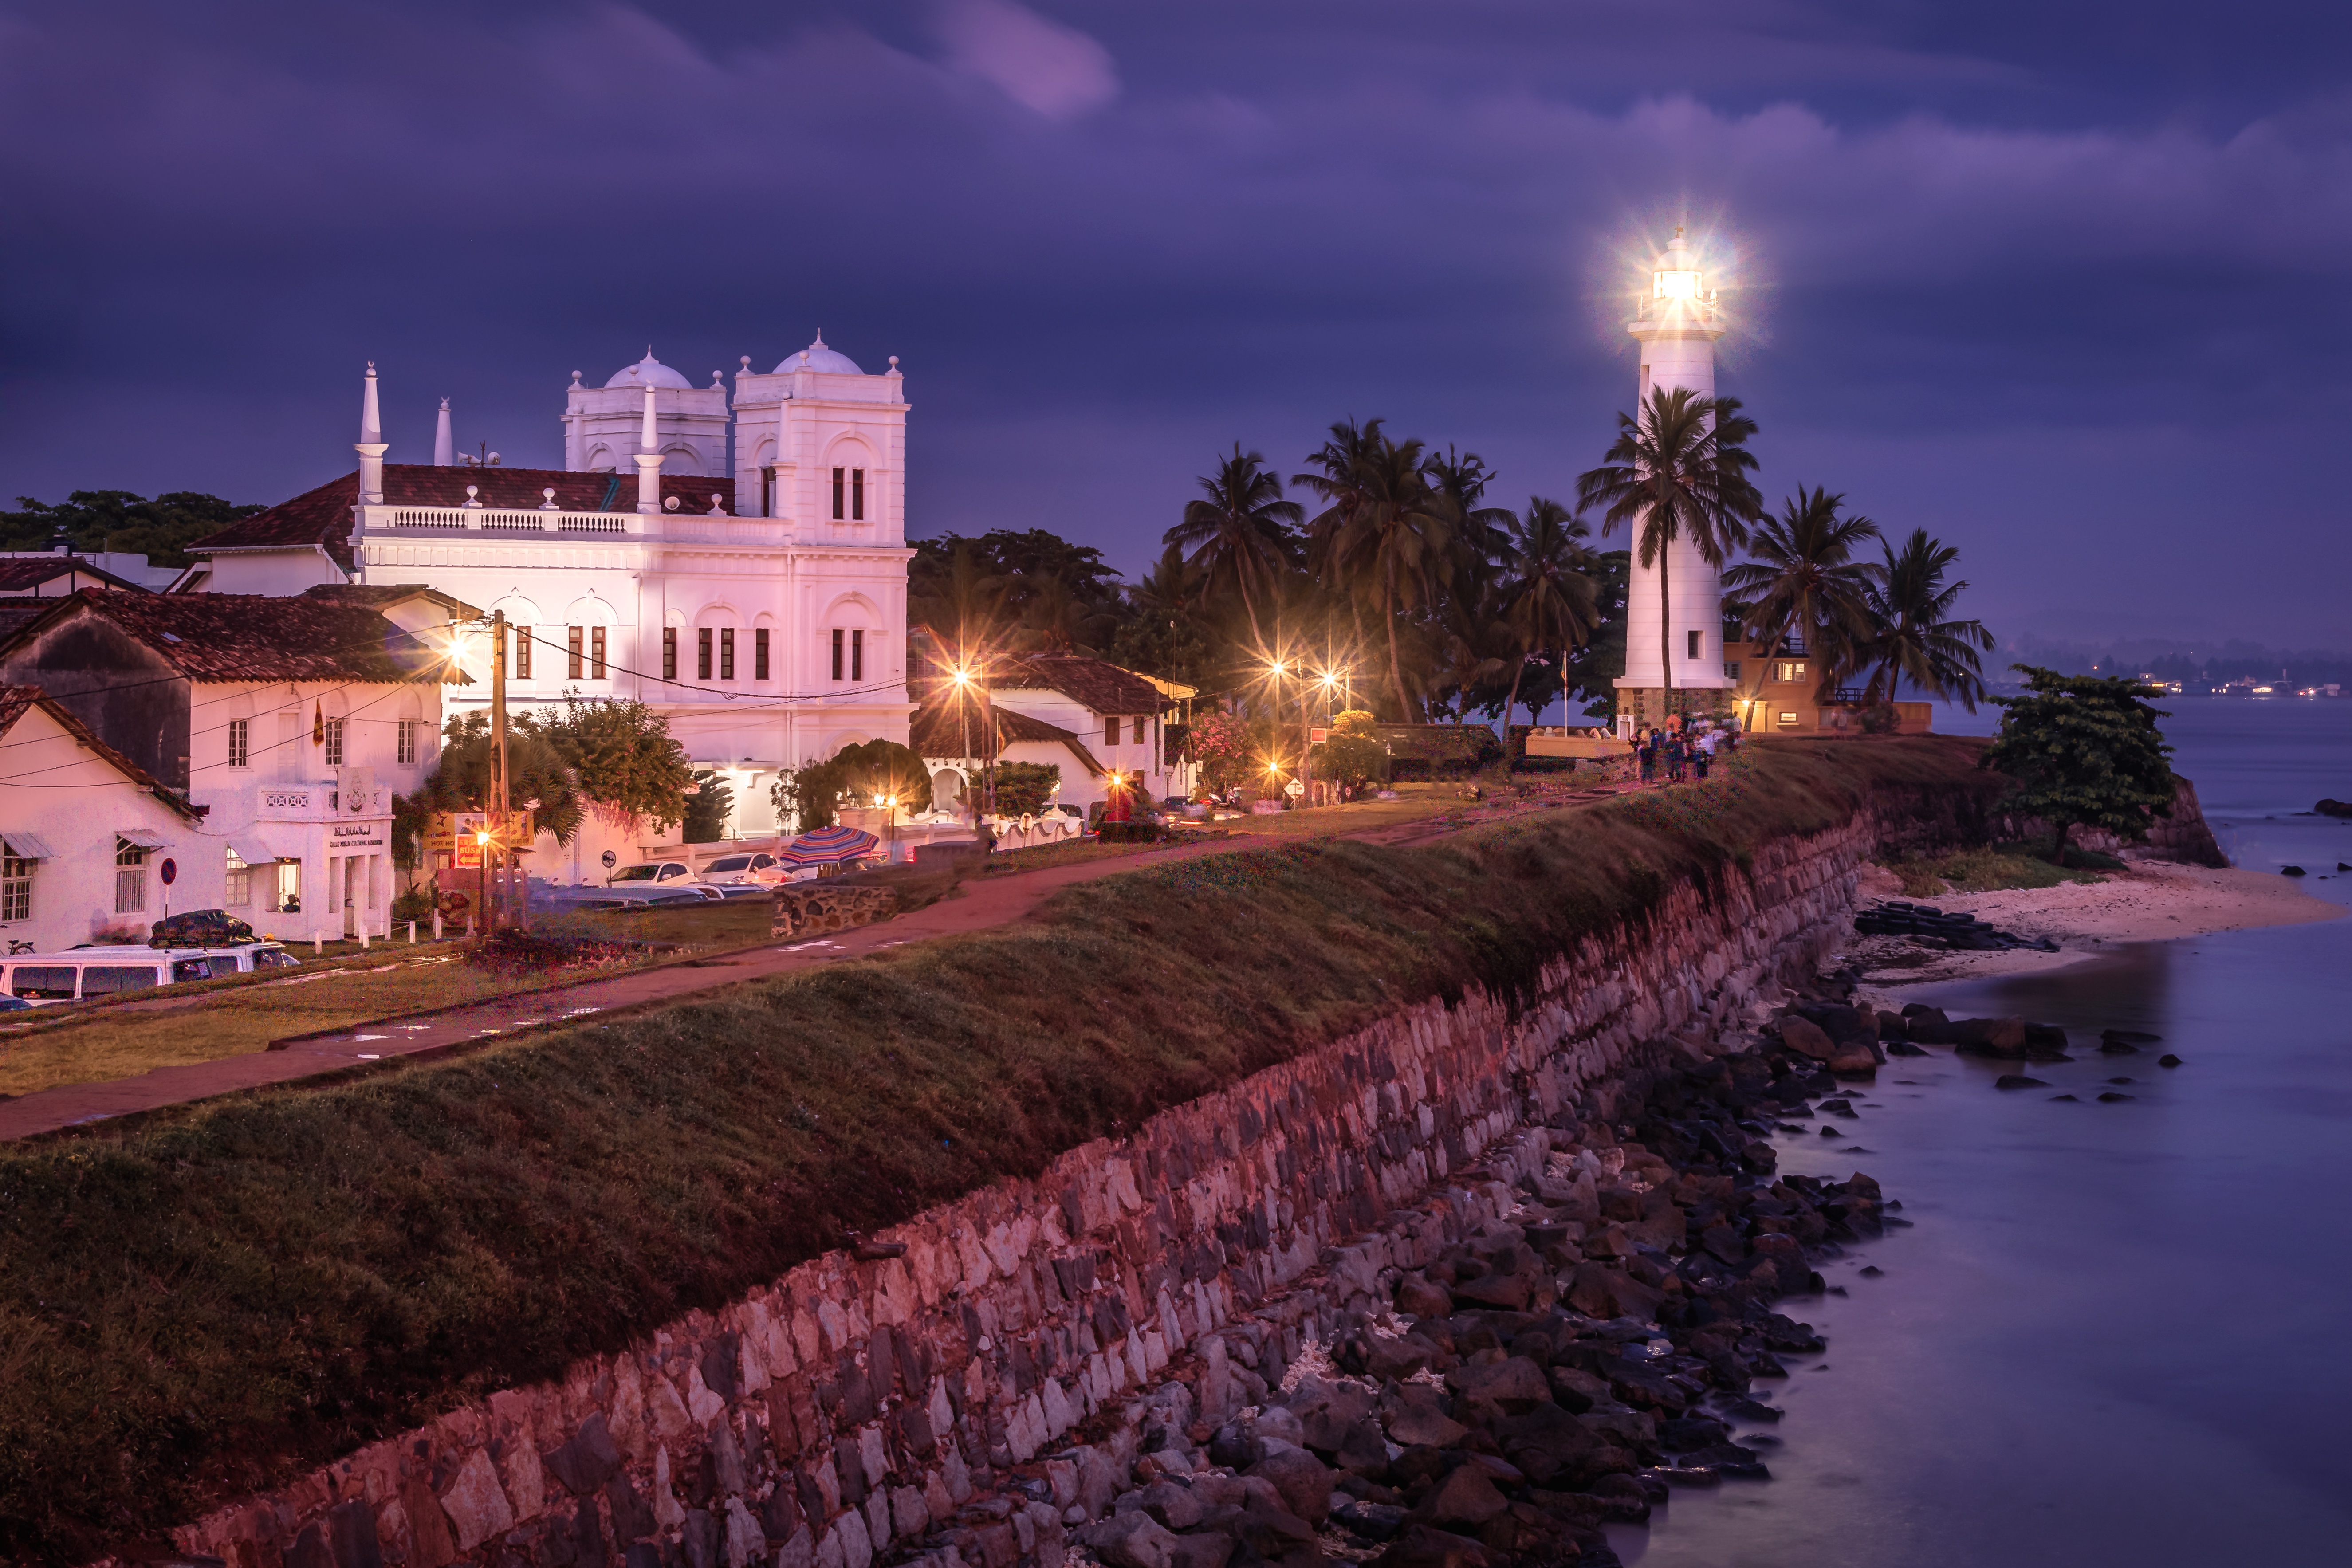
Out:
{"x": 993, "y": 901}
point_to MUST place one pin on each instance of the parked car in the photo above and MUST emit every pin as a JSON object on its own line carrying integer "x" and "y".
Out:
{"x": 647, "y": 873}
{"x": 249, "y": 957}
{"x": 84, "y": 972}
{"x": 757, "y": 868}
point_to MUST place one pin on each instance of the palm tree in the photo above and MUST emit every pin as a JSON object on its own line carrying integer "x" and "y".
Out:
{"x": 1806, "y": 582}
{"x": 1385, "y": 534}
{"x": 963, "y": 603}
{"x": 1680, "y": 468}
{"x": 1549, "y": 600}
{"x": 1239, "y": 532}
{"x": 1912, "y": 636}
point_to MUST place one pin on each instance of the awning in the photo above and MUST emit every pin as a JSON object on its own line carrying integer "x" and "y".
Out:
{"x": 253, "y": 850}
{"x": 144, "y": 837}
{"x": 23, "y": 846}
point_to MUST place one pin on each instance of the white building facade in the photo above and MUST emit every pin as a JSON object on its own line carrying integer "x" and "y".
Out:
{"x": 736, "y": 563}
{"x": 1676, "y": 326}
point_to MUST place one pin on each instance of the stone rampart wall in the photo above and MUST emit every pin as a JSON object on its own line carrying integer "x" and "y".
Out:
{"x": 850, "y": 1410}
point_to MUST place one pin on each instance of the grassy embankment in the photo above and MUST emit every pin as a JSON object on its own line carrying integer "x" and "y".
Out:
{"x": 1996, "y": 868}
{"x": 91, "y": 1044}
{"x": 203, "y": 1301}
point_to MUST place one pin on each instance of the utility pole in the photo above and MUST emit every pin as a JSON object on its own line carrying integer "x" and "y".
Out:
{"x": 493, "y": 849}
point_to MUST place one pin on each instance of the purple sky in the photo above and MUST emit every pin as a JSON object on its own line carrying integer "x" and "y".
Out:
{"x": 2063, "y": 284}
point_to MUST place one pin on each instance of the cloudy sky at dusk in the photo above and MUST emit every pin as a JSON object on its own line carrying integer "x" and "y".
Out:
{"x": 2063, "y": 284}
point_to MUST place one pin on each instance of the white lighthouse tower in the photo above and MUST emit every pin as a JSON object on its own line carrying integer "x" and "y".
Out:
{"x": 1676, "y": 324}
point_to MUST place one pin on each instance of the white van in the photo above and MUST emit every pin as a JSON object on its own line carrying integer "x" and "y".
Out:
{"x": 42, "y": 978}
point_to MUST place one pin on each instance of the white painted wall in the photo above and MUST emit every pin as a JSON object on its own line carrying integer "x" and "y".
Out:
{"x": 77, "y": 802}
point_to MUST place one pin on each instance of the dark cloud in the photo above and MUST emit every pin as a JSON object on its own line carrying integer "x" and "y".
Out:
{"x": 2063, "y": 284}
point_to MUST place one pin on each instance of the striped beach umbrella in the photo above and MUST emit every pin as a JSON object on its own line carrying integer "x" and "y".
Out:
{"x": 828, "y": 847}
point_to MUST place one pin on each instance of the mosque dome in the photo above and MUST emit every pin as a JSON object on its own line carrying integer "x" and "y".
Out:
{"x": 649, "y": 371}
{"x": 817, "y": 356}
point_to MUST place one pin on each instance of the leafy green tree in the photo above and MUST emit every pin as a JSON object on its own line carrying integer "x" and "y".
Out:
{"x": 1804, "y": 583}
{"x": 953, "y": 590}
{"x": 2084, "y": 751}
{"x": 1023, "y": 788}
{"x": 463, "y": 776}
{"x": 98, "y": 520}
{"x": 808, "y": 797}
{"x": 1679, "y": 469}
{"x": 1220, "y": 744}
{"x": 1058, "y": 619}
{"x": 1914, "y": 636}
{"x": 1239, "y": 533}
{"x": 707, "y": 808}
{"x": 628, "y": 768}
{"x": 875, "y": 770}
{"x": 1353, "y": 754}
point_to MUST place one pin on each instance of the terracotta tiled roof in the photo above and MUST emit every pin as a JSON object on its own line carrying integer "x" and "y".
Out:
{"x": 938, "y": 731}
{"x": 376, "y": 597}
{"x": 28, "y": 572}
{"x": 1102, "y": 687}
{"x": 15, "y": 701}
{"x": 324, "y": 516}
{"x": 254, "y": 636}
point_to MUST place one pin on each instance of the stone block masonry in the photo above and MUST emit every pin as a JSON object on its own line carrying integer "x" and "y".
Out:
{"x": 924, "y": 1393}
{"x": 813, "y": 909}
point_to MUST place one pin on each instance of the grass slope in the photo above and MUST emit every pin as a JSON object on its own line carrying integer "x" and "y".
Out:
{"x": 207, "y": 1299}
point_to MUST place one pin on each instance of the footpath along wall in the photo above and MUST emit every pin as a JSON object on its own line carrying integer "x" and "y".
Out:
{"x": 922, "y": 1395}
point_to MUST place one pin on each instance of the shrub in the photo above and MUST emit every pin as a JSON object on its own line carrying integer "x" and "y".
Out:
{"x": 1023, "y": 788}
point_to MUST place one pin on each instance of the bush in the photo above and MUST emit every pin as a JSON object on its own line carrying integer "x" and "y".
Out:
{"x": 1023, "y": 788}
{"x": 707, "y": 809}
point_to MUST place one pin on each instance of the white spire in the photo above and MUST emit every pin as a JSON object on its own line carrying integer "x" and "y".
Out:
{"x": 370, "y": 422}
{"x": 648, "y": 460}
{"x": 445, "y": 443}
{"x": 371, "y": 447}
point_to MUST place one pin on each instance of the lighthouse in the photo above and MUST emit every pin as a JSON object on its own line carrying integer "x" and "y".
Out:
{"x": 1676, "y": 324}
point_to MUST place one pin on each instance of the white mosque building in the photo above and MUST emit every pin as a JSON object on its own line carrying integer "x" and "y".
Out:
{"x": 737, "y": 561}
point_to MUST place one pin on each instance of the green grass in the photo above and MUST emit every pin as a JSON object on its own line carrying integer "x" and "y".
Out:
{"x": 206, "y": 1299}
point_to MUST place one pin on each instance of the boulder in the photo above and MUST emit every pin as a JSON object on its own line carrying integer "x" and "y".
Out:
{"x": 1989, "y": 1037}
{"x": 1325, "y": 1413}
{"x": 1419, "y": 1296}
{"x": 1416, "y": 1417}
{"x": 1176, "y": 1506}
{"x": 1467, "y": 1496}
{"x": 1130, "y": 1540}
{"x": 1515, "y": 1384}
{"x": 1420, "y": 1546}
{"x": 1207, "y": 1549}
{"x": 1807, "y": 1039}
{"x": 1302, "y": 1482}
{"x": 2018, "y": 1080}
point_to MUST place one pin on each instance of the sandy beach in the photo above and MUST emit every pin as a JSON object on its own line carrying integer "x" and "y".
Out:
{"x": 2147, "y": 902}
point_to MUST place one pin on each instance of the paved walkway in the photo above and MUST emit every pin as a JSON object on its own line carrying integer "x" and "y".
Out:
{"x": 979, "y": 904}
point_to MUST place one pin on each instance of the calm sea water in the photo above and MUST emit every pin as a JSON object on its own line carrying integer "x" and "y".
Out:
{"x": 2117, "y": 1334}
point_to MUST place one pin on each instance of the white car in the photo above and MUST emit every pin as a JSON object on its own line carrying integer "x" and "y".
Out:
{"x": 729, "y": 870}
{"x": 650, "y": 873}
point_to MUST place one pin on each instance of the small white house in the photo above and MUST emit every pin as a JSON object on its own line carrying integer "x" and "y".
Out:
{"x": 90, "y": 843}
{"x": 1087, "y": 716}
{"x": 290, "y": 722}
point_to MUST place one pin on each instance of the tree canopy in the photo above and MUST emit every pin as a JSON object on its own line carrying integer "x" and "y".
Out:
{"x": 98, "y": 520}
{"x": 2086, "y": 751}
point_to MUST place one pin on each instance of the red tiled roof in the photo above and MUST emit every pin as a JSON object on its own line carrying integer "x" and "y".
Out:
{"x": 15, "y": 701}
{"x": 324, "y": 516}
{"x": 1102, "y": 687}
{"x": 255, "y": 636}
{"x": 940, "y": 730}
{"x": 31, "y": 572}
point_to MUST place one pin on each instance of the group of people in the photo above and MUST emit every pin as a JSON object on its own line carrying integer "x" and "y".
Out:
{"x": 1682, "y": 756}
